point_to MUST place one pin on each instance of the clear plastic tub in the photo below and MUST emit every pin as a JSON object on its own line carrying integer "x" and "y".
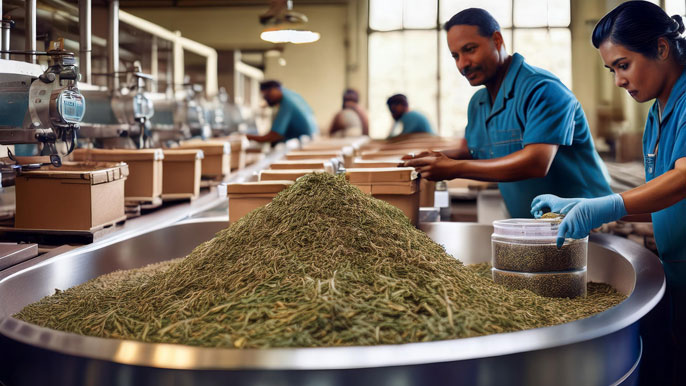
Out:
{"x": 528, "y": 245}
{"x": 568, "y": 284}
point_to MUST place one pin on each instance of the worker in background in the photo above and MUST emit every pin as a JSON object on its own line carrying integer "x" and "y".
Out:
{"x": 294, "y": 119}
{"x": 406, "y": 121}
{"x": 645, "y": 51}
{"x": 352, "y": 120}
{"x": 525, "y": 129}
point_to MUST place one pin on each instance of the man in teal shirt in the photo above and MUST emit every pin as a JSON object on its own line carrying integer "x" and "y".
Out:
{"x": 411, "y": 121}
{"x": 294, "y": 119}
{"x": 525, "y": 129}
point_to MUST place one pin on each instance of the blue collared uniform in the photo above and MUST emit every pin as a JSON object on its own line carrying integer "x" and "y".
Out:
{"x": 664, "y": 142}
{"x": 533, "y": 106}
{"x": 295, "y": 117}
{"x": 413, "y": 122}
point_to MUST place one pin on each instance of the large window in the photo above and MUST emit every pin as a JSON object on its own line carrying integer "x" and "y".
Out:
{"x": 408, "y": 54}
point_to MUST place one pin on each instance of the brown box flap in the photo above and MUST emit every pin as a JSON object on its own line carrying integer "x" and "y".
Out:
{"x": 286, "y": 174}
{"x": 299, "y": 154}
{"x": 377, "y": 175}
{"x": 360, "y": 163}
{"x": 303, "y": 164}
{"x": 88, "y": 172}
{"x": 208, "y": 147}
{"x": 183, "y": 154}
{"x": 257, "y": 187}
{"x": 117, "y": 154}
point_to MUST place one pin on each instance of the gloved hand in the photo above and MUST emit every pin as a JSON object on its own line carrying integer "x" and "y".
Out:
{"x": 554, "y": 203}
{"x": 590, "y": 213}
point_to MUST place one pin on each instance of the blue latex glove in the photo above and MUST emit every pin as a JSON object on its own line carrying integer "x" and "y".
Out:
{"x": 554, "y": 203}
{"x": 590, "y": 213}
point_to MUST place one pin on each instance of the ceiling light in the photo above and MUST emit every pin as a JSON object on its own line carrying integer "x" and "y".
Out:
{"x": 282, "y": 25}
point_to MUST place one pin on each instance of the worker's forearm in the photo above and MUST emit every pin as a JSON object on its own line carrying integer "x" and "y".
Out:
{"x": 660, "y": 193}
{"x": 531, "y": 162}
{"x": 269, "y": 137}
{"x": 460, "y": 152}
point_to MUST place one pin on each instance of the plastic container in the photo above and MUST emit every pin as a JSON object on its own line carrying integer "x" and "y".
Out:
{"x": 528, "y": 245}
{"x": 568, "y": 284}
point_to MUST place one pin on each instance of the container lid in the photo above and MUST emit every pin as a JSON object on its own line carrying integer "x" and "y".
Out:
{"x": 257, "y": 187}
{"x": 208, "y": 147}
{"x": 526, "y": 228}
{"x": 376, "y": 175}
{"x": 93, "y": 172}
{"x": 183, "y": 154}
{"x": 117, "y": 154}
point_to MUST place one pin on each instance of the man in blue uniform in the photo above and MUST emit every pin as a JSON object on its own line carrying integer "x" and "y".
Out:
{"x": 411, "y": 121}
{"x": 295, "y": 117}
{"x": 525, "y": 129}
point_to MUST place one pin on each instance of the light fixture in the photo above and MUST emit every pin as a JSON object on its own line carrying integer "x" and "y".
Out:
{"x": 282, "y": 25}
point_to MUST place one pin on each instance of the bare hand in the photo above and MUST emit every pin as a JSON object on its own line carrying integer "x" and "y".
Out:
{"x": 435, "y": 166}
{"x": 416, "y": 155}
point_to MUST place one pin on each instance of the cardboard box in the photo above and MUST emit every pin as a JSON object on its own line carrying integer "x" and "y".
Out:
{"x": 238, "y": 151}
{"x": 286, "y": 174}
{"x": 73, "y": 197}
{"x": 245, "y": 197}
{"x": 303, "y": 164}
{"x": 181, "y": 174}
{"x": 397, "y": 186}
{"x": 144, "y": 183}
{"x": 216, "y": 163}
{"x": 314, "y": 155}
{"x": 427, "y": 189}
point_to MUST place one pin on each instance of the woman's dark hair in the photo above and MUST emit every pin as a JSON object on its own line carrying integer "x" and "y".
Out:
{"x": 637, "y": 25}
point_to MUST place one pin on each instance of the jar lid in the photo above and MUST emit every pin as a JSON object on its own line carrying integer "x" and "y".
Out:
{"x": 527, "y": 228}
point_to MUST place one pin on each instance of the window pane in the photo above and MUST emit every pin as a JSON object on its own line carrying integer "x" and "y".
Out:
{"x": 675, "y": 7}
{"x": 550, "y": 49}
{"x": 501, "y": 10}
{"x": 456, "y": 91}
{"x": 401, "y": 62}
{"x": 385, "y": 15}
{"x": 541, "y": 13}
{"x": 420, "y": 13}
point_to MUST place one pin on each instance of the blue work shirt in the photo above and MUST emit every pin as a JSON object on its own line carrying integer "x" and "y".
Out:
{"x": 295, "y": 117}
{"x": 413, "y": 122}
{"x": 668, "y": 223}
{"x": 533, "y": 106}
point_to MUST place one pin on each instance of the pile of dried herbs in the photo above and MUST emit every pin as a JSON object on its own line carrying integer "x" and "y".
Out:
{"x": 323, "y": 265}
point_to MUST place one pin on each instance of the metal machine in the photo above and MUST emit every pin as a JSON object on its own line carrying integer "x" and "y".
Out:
{"x": 604, "y": 349}
{"x": 125, "y": 112}
{"x": 41, "y": 107}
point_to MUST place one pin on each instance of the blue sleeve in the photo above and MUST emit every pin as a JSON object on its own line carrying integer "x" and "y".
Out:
{"x": 283, "y": 118}
{"x": 679, "y": 148}
{"x": 549, "y": 114}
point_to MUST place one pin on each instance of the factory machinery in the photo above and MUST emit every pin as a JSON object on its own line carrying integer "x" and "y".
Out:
{"x": 51, "y": 107}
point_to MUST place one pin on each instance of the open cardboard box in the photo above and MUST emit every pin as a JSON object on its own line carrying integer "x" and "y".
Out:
{"x": 397, "y": 186}
{"x": 181, "y": 174}
{"x": 245, "y": 197}
{"x": 144, "y": 183}
{"x": 74, "y": 197}
{"x": 303, "y": 164}
{"x": 216, "y": 163}
{"x": 286, "y": 174}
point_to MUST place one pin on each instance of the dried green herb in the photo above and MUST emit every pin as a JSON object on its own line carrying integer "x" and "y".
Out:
{"x": 528, "y": 256}
{"x": 552, "y": 215}
{"x": 322, "y": 265}
{"x": 550, "y": 284}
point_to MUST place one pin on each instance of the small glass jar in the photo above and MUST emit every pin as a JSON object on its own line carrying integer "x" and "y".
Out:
{"x": 530, "y": 245}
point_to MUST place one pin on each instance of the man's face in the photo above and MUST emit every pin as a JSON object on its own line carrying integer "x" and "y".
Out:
{"x": 272, "y": 96}
{"x": 476, "y": 57}
{"x": 397, "y": 110}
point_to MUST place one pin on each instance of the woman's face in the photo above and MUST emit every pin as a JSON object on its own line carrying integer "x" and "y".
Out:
{"x": 642, "y": 77}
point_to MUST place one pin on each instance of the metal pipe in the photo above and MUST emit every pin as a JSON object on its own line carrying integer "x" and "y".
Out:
{"x": 113, "y": 44}
{"x": 30, "y": 23}
{"x": 85, "y": 46}
{"x": 5, "y": 38}
{"x": 154, "y": 69}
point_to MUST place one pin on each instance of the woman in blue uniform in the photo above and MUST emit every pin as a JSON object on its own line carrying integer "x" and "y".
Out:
{"x": 645, "y": 50}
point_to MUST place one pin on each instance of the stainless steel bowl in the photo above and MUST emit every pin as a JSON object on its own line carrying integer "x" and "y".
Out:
{"x": 602, "y": 349}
